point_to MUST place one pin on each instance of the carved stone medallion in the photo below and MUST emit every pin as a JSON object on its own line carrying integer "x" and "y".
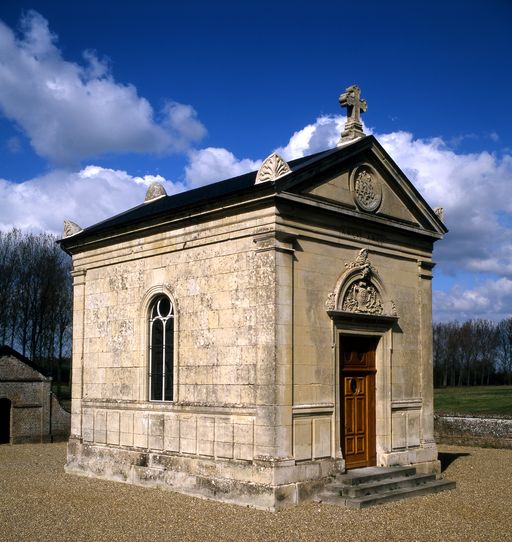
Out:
{"x": 360, "y": 291}
{"x": 366, "y": 188}
{"x": 363, "y": 297}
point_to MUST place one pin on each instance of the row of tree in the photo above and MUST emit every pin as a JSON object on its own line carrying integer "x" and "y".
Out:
{"x": 473, "y": 353}
{"x": 35, "y": 298}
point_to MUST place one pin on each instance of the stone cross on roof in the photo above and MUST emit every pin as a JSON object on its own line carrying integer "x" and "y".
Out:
{"x": 351, "y": 99}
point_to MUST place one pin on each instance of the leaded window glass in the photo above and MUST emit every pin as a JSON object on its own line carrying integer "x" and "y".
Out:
{"x": 161, "y": 349}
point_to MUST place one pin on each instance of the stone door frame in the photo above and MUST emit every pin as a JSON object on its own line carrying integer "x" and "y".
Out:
{"x": 380, "y": 328}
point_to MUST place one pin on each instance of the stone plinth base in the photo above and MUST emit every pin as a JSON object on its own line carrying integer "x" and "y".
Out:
{"x": 263, "y": 483}
{"x": 424, "y": 459}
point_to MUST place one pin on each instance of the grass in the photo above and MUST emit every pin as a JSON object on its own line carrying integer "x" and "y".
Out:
{"x": 476, "y": 400}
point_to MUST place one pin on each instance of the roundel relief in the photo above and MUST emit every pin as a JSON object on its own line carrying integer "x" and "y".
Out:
{"x": 366, "y": 188}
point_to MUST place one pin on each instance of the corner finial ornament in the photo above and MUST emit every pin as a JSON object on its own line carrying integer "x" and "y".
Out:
{"x": 70, "y": 228}
{"x": 156, "y": 190}
{"x": 440, "y": 213}
{"x": 273, "y": 168}
{"x": 351, "y": 99}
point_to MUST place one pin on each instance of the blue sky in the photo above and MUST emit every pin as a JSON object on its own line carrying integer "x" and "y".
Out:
{"x": 98, "y": 99}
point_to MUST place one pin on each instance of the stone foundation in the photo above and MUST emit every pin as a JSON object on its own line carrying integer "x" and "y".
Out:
{"x": 424, "y": 459}
{"x": 264, "y": 484}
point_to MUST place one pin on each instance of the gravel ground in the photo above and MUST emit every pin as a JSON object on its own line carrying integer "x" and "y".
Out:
{"x": 38, "y": 501}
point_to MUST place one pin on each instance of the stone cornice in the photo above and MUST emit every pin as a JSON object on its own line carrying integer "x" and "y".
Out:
{"x": 342, "y": 210}
{"x": 144, "y": 229}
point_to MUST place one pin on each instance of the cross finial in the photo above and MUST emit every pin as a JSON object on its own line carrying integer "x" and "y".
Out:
{"x": 351, "y": 99}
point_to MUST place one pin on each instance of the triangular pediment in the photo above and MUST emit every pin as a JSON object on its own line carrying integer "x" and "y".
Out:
{"x": 365, "y": 180}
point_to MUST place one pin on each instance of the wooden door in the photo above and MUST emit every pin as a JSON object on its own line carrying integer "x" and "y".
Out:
{"x": 357, "y": 392}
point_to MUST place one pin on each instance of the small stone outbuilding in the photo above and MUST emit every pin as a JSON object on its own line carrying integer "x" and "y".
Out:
{"x": 247, "y": 339}
{"x": 29, "y": 412}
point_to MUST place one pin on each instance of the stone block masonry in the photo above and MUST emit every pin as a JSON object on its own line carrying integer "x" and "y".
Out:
{"x": 474, "y": 431}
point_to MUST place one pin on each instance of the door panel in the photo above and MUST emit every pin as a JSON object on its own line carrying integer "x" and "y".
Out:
{"x": 358, "y": 400}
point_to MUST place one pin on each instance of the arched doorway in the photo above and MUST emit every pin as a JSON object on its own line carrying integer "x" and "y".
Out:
{"x": 5, "y": 421}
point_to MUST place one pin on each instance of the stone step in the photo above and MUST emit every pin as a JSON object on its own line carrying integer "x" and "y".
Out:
{"x": 371, "y": 474}
{"x": 436, "y": 486}
{"x": 380, "y": 486}
{"x": 360, "y": 488}
{"x": 397, "y": 494}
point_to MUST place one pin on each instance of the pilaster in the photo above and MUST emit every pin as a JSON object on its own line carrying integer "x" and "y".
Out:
{"x": 425, "y": 347}
{"x": 78, "y": 277}
{"x": 274, "y": 276}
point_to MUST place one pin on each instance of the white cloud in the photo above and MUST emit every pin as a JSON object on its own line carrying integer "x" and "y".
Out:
{"x": 182, "y": 124}
{"x": 214, "y": 164}
{"x": 71, "y": 112}
{"x": 473, "y": 188}
{"x": 86, "y": 197}
{"x": 323, "y": 134}
{"x": 491, "y": 300}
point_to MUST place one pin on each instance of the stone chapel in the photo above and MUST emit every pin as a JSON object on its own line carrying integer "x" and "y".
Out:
{"x": 249, "y": 339}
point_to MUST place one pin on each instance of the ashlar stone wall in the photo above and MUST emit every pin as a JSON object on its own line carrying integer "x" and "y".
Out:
{"x": 256, "y": 406}
{"x": 224, "y": 296}
{"x": 404, "y": 407}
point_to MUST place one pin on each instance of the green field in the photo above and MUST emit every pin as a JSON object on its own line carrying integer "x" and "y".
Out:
{"x": 477, "y": 400}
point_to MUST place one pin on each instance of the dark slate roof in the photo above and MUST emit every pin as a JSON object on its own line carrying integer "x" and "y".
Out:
{"x": 191, "y": 198}
{"x": 243, "y": 185}
{"x": 6, "y": 350}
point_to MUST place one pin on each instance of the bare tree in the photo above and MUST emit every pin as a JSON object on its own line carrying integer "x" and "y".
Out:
{"x": 465, "y": 354}
{"x": 505, "y": 349}
{"x": 35, "y": 296}
{"x": 8, "y": 269}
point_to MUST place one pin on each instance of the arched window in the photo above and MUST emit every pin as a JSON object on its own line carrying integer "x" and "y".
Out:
{"x": 161, "y": 349}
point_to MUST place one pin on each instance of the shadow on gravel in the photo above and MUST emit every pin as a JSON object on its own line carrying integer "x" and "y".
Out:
{"x": 448, "y": 458}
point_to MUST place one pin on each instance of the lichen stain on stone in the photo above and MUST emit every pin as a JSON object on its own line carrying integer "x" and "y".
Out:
{"x": 126, "y": 327}
{"x": 101, "y": 326}
{"x": 118, "y": 280}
